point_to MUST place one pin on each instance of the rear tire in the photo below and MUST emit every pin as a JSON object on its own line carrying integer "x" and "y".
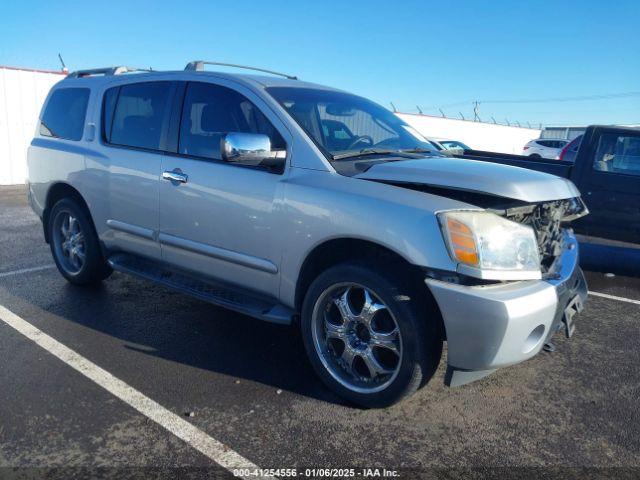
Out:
{"x": 74, "y": 244}
{"x": 371, "y": 359}
{"x": 535, "y": 155}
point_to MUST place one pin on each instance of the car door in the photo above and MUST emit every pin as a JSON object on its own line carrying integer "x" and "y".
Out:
{"x": 219, "y": 219}
{"x": 611, "y": 186}
{"x": 134, "y": 127}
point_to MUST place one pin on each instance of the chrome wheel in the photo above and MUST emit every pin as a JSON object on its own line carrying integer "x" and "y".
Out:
{"x": 68, "y": 241}
{"x": 357, "y": 338}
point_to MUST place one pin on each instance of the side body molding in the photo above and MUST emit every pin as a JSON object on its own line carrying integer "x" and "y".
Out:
{"x": 219, "y": 253}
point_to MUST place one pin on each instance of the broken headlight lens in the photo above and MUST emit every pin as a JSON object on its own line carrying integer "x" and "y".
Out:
{"x": 489, "y": 246}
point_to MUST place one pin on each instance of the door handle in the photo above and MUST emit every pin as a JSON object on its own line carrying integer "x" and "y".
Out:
{"x": 175, "y": 176}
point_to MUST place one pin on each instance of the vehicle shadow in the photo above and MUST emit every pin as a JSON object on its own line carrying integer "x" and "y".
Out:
{"x": 156, "y": 321}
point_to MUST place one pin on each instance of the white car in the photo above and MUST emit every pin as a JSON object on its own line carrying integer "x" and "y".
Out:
{"x": 544, "y": 148}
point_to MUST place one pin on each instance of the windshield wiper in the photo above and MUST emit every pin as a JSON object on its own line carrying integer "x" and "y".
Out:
{"x": 382, "y": 151}
{"x": 417, "y": 150}
{"x": 365, "y": 151}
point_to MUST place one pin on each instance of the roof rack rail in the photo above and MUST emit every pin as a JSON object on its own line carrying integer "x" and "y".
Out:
{"x": 198, "y": 66}
{"x": 106, "y": 71}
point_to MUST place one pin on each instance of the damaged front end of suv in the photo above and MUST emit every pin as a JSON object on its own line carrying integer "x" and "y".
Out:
{"x": 517, "y": 280}
{"x": 548, "y": 220}
{"x": 519, "y": 283}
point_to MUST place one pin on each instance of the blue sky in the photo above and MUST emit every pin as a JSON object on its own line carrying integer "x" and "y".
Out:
{"x": 433, "y": 54}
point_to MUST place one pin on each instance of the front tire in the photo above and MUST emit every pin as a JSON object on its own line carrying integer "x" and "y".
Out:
{"x": 370, "y": 338}
{"x": 74, "y": 244}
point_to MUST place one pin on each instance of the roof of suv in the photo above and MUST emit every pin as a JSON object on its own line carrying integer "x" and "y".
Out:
{"x": 260, "y": 81}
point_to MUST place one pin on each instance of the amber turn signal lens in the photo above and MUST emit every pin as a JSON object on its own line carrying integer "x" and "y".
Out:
{"x": 462, "y": 242}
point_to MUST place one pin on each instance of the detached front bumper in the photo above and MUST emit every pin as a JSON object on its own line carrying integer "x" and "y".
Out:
{"x": 494, "y": 326}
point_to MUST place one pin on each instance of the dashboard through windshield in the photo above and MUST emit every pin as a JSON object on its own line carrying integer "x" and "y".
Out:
{"x": 346, "y": 126}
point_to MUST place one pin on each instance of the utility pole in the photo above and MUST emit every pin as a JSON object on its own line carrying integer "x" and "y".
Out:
{"x": 476, "y": 109}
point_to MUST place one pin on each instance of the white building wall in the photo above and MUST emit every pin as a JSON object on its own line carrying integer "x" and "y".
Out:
{"x": 477, "y": 135}
{"x": 22, "y": 93}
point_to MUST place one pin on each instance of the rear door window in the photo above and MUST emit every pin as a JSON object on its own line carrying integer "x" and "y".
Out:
{"x": 64, "y": 115}
{"x": 618, "y": 154}
{"x": 140, "y": 117}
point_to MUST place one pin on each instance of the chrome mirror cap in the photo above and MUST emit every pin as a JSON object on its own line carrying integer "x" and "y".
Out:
{"x": 245, "y": 148}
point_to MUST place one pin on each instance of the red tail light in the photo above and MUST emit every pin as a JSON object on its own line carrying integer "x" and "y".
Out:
{"x": 526, "y": 148}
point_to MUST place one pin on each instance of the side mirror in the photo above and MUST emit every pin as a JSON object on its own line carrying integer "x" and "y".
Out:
{"x": 252, "y": 149}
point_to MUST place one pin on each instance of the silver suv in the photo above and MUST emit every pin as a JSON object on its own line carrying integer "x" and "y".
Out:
{"x": 305, "y": 205}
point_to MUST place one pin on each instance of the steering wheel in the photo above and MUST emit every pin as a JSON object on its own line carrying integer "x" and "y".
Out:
{"x": 360, "y": 138}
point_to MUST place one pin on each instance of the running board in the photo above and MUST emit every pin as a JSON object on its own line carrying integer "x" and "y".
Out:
{"x": 206, "y": 290}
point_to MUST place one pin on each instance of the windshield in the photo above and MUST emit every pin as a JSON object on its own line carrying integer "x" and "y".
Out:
{"x": 345, "y": 125}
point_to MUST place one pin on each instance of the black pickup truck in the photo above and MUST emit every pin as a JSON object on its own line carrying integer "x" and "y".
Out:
{"x": 606, "y": 170}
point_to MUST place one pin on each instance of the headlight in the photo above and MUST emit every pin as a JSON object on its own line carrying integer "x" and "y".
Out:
{"x": 489, "y": 246}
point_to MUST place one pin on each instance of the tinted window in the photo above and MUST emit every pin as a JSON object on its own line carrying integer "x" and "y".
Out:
{"x": 618, "y": 153}
{"x": 210, "y": 111}
{"x": 64, "y": 114}
{"x": 140, "y": 115}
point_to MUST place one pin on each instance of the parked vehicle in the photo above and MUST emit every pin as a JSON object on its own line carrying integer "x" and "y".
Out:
{"x": 544, "y": 148}
{"x": 305, "y": 205}
{"x": 604, "y": 164}
{"x": 452, "y": 146}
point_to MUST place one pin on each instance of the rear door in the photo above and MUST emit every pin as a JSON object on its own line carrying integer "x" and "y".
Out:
{"x": 134, "y": 128}
{"x": 610, "y": 185}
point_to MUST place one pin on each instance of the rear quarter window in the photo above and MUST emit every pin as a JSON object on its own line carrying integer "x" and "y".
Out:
{"x": 64, "y": 115}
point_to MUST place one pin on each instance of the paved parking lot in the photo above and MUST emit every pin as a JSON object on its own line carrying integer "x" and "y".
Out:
{"x": 248, "y": 385}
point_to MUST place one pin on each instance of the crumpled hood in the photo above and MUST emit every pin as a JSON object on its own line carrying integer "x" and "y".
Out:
{"x": 475, "y": 176}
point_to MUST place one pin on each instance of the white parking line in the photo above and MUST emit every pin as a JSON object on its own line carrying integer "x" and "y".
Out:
{"x": 614, "y": 297}
{"x": 25, "y": 270}
{"x": 209, "y": 446}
